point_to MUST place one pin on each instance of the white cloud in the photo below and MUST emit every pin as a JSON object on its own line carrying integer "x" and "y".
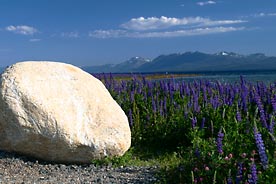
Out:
{"x": 70, "y": 34}
{"x": 191, "y": 32}
{"x": 34, "y": 40}
{"x": 271, "y": 14}
{"x": 151, "y": 23}
{"x": 22, "y": 29}
{"x": 205, "y": 3}
{"x": 263, "y": 14}
{"x": 222, "y": 22}
{"x": 162, "y": 34}
{"x": 108, "y": 33}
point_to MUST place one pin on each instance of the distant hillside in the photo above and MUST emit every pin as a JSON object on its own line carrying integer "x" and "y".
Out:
{"x": 131, "y": 65}
{"x": 191, "y": 62}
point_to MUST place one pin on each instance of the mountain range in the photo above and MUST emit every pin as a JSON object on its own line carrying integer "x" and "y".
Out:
{"x": 191, "y": 62}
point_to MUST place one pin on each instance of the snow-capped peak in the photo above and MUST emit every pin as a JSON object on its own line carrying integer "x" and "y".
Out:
{"x": 224, "y": 53}
{"x": 138, "y": 59}
{"x": 232, "y": 54}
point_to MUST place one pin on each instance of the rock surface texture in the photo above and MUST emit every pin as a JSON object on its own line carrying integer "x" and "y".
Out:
{"x": 57, "y": 112}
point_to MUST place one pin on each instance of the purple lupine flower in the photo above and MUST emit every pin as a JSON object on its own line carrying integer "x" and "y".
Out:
{"x": 244, "y": 95}
{"x": 212, "y": 102}
{"x": 188, "y": 91}
{"x": 232, "y": 96}
{"x": 215, "y": 102}
{"x": 197, "y": 153}
{"x": 253, "y": 177}
{"x": 130, "y": 118}
{"x": 186, "y": 113}
{"x": 165, "y": 105}
{"x": 261, "y": 110}
{"x": 194, "y": 121}
{"x": 251, "y": 93}
{"x": 273, "y": 103}
{"x": 204, "y": 95}
{"x": 210, "y": 91}
{"x": 238, "y": 116}
{"x": 144, "y": 80}
{"x": 165, "y": 86}
{"x": 149, "y": 92}
{"x": 189, "y": 104}
{"x": 195, "y": 103}
{"x": 236, "y": 90}
{"x": 242, "y": 81}
{"x": 261, "y": 147}
{"x": 219, "y": 141}
{"x": 219, "y": 87}
{"x": 183, "y": 88}
{"x": 229, "y": 180}
{"x": 244, "y": 104}
{"x": 171, "y": 91}
{"x": 239, "y": 174}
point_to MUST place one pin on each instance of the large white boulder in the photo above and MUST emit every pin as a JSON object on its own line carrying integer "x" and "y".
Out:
{"x": 57, "y": 112}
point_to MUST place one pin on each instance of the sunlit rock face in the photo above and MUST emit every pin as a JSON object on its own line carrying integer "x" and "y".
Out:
{"x": 57, "y": 112}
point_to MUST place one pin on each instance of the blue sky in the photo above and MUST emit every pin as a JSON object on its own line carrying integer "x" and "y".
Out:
{"x": 95, "y": 32}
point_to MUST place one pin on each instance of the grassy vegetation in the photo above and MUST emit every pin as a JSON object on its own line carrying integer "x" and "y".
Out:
{"x": 199, "y": 132}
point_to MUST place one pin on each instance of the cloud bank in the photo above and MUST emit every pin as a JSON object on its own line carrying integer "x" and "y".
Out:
{"x": 264, "y": 14}
{"x": 151, "y": 23}
{"x": 162, "y": 34}
{"x": 70, "y": 34}
{"x": 205, "y": 3}
{"x": 165, "y": 27}
{"x": 22, "y": 29}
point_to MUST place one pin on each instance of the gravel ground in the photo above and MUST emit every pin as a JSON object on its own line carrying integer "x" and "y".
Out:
{"x": 20, "y": 169}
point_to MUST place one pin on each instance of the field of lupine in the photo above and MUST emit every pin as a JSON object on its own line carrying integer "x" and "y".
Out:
{"x": 222, "y": 133}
